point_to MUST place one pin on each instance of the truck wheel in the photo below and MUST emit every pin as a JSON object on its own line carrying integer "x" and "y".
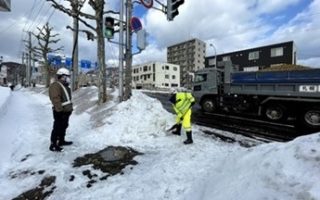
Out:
{"x": 311, "y": 118}
{"x": 208, "y": 105}
{"x": 275, "y": 112}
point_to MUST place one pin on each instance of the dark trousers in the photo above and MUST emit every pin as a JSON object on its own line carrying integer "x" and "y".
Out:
{"x": 60, "y": 125}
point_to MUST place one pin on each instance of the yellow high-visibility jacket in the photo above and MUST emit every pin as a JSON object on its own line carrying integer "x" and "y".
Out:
{"x": 182, "y": 102}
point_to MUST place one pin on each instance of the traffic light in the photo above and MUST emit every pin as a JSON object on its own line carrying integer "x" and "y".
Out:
{"x": 108, "y": 27}
{"x": 172, "y": 8}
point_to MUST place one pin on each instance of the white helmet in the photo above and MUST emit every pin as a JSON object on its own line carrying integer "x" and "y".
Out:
{"x": 63, "y": 71}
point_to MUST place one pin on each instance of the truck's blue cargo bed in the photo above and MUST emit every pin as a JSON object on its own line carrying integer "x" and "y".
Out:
{"x": 302, "y": 76}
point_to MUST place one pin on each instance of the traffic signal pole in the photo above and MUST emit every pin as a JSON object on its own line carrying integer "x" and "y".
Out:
{"x": 128, "y": 56}
{"x": 121, "y": 55}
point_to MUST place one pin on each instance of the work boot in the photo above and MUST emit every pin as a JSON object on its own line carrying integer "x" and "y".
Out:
{"x": 177, "y": 130}
{"x": 54, "y": 147}
{"x": 189, "y": 138}
{"x": 64, "y": 143}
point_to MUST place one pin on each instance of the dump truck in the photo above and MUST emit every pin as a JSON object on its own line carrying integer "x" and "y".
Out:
{"x": 273, "y": 95}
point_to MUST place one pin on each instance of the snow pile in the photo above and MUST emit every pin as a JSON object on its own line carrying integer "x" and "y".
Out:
{"x": 5, "y": 93}
{"x": 207, "y": 169}
{"x": 271, "y": 171}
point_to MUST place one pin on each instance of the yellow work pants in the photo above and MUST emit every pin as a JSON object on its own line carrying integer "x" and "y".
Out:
{"x": 186, "y": 121}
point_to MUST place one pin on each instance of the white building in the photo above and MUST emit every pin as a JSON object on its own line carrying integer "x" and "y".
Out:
{"x": 156, "y": 75}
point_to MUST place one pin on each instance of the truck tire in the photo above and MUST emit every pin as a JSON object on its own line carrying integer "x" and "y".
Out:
{"x": 208, "y": 105}
{"x": 310, "y": 118}
{"x": 275, "y": 112}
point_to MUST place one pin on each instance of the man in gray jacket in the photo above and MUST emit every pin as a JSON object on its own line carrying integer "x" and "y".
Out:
{"x": 60, "y": 96}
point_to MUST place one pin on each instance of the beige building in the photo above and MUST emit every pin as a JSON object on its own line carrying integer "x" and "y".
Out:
{"x": 156, "y": 75}
{"x": 190, "y": 55}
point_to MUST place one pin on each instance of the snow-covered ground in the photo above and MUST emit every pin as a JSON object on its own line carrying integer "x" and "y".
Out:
{"x": 208, "y": 169}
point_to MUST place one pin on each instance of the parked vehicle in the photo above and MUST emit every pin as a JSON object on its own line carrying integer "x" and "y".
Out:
{"x": 274, "y": 95}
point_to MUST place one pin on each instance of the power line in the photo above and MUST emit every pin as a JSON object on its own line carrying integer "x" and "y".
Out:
{"x": 25, "y": 24}
{"x": 37, "y": 15}
{"x": 8, "y": 27}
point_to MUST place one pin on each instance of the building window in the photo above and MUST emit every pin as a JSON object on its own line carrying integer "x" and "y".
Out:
{"x": 167, "y": 67}
{"x": 175, "y": 68}
{"x": 173, "y": 77}
{"x": 226, "y": 58}
{"x": 145, "y": 68}
{"x": 275, "y": 52}
{"x": 254, "y": 55}
{"x": 166, "y": 76}
{"x": 174, "y": 85}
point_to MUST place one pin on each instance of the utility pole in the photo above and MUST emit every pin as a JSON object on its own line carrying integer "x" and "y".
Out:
{"x": 128, "y": 75}
{"x": 75, "y": 46}
{"x": 28, "y": 69}
{"x": 23, "y": 63}
{"x": 33, "y": 70}
{"x": 121, "y": 56}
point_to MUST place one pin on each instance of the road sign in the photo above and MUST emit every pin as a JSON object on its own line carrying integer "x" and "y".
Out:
{"x": 68, "y": 63}
{"x": 85, "y": 64}
{"x": 135, "y": 24}
{"x": 147, "y": 3}
{"x": 141, "y": 39}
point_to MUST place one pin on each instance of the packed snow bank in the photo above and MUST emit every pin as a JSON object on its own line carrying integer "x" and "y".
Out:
{"x": 272, "y": 171}
{"x": 5, "y": 94}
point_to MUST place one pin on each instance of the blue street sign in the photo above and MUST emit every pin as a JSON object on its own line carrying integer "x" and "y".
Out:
{"x": 54, "y": 60}
{"x": 135, "y": 24}
{"x": 68, "y": 63}
{"x": 85, "y": 64}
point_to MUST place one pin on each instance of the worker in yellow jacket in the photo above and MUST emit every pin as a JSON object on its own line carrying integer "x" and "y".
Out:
{"x": 182, "y": 105}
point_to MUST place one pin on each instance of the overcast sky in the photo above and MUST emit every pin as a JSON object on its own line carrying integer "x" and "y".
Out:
{"x": 229, "y": 25}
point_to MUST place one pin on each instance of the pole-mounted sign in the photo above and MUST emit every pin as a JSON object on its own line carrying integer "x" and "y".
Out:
{"x": 135, "y": 24}
{"x": 147, "y": 3}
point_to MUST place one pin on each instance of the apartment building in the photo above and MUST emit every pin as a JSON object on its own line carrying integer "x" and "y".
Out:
{"x": 257, "y": 58}
{"x": 155, "y": 75}
{"x": 190, "y": 55}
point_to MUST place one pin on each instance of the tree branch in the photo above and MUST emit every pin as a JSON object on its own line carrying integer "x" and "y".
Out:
{"x": 72, "y": 14}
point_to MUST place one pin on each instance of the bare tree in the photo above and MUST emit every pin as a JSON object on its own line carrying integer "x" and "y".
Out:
{"x": 45, "y": 39}
{"x": 97, "y": 6}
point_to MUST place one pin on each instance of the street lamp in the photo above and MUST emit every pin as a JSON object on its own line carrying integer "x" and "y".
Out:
{"x": 215, "y": 55}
